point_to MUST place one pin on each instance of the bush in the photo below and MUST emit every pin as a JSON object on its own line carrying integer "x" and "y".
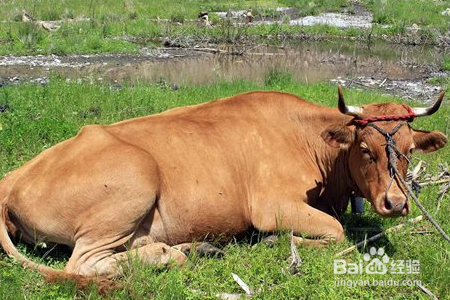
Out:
{"x": 30, "y": 35}
{"x": 445, "y": 66}
{"x": 276, "y": 77}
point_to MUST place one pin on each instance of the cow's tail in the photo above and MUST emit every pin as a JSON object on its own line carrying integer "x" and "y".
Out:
{"x": 50, "y": 274}
{"x": 11, "y": 250}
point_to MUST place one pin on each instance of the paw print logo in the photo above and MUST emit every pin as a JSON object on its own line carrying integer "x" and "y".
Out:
{"x": 377, "y": 261}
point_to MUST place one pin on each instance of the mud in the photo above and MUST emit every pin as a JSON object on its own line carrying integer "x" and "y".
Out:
{"x": 400, "y": 70}
{"x": 403, "y": 71}
{"x": 415, "y": 89}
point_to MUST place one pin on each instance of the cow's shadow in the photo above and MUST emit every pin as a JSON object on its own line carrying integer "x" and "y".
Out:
{"x": 360, "y": 227}
{"x": 55, "y": 255}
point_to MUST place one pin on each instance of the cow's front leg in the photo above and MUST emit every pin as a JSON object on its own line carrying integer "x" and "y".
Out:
{"x": 318, "y": 227}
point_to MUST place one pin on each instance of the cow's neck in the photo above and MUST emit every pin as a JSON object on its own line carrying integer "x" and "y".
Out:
{"x": 335, "y": 183}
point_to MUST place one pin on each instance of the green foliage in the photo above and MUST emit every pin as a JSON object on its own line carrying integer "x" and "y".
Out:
{"x": 132, "y": 15}
{"x": 446, "y": 63}
{"x": 92, "y": 26}
{"x": 307, "y": 8}
{"x": 408, "y": 12}
{"x": 276, "y": 78}
{"x": 68, "y": 14}
{"x": 30, "y": 35}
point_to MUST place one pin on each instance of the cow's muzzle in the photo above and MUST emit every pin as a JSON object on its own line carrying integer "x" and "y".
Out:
{"x": 393, "y": 205}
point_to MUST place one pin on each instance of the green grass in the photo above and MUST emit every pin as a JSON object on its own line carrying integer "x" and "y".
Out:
{"x": 101, "y": 25}
{"x": 445, "y": 65}
{"x": 38, "y": 116}
{"x": 408, "y": 12}
{"x": 165, "y": 9}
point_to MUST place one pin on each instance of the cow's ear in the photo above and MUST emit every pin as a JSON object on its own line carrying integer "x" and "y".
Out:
{"x": 427, "y": 141}
{"x": 338, "y": 136}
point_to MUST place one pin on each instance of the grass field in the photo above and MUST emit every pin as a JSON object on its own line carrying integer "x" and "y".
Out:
{"x": 36, "y": 117}
{"x": 92, "y": 26}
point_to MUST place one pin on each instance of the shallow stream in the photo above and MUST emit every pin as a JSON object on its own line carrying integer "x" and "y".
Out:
{"x": 343, "y": 61}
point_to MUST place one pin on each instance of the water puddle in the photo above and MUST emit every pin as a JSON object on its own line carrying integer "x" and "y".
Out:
{"x": 359, "y": 17}
{"x": 308, "y": 62}
{"x": 336, "y": 20}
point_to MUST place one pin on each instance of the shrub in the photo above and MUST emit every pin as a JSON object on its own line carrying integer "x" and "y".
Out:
{"x": 30, "y": 35}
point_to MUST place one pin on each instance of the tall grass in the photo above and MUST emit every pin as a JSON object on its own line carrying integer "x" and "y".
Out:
{"x": 307, "y": 8}
{"x": 409, "y": 12}
{"x": 92, "y": 26}
{"x": 30, "y": 35}
{"x": 54, "y": 10}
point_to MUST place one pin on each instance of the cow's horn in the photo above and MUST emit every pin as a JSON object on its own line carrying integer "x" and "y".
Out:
{"x": 427, "y": 111}
{"x": 348, "y": 110}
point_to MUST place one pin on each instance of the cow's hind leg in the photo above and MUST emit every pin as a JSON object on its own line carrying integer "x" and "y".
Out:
{"x": 155, "y": 254}
{"x": 108, "y": 228}
{"x": 304, "y": 220}
{"x": 122, "y": 192}
{"x": 110, "y": 264}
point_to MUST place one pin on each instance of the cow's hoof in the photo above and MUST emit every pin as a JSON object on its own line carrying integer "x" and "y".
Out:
{"x": 205, "y": 249}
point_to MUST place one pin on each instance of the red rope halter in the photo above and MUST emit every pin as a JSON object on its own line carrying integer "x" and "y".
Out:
{"x": 408, "y": 117}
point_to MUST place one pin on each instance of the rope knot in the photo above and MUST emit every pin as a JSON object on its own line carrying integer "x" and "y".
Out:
{"x": 389, "y": 137}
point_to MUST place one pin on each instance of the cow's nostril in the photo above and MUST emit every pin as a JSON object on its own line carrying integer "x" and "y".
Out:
{"x": 395, "y": 204}
{"x": 387, "y": 203}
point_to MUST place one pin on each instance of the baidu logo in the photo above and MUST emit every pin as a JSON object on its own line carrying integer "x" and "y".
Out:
{"x": 376, "y": 261}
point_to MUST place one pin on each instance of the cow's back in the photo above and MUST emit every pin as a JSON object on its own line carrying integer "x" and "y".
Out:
{"x": 214, "y": 158}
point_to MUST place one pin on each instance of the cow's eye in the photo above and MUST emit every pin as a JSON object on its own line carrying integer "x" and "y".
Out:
{"x": 365, "y": 151}
{"x": 410, "y": 152}
{"x": 367, "y": 154}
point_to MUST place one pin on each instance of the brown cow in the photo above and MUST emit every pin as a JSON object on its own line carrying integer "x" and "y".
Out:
{"x": 260, "y": 159}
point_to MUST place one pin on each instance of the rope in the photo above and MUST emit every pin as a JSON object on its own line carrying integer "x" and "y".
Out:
{"x": 409, "y": 117}
{"x": 393, "y": 154}
{"x": 424, "y": 211}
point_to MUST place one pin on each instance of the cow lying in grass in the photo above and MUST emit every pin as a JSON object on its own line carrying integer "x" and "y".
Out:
{"x": 150, "y": 186}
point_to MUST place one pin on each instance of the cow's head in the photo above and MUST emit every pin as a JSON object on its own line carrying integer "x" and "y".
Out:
{"x": 367, "y": 151}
